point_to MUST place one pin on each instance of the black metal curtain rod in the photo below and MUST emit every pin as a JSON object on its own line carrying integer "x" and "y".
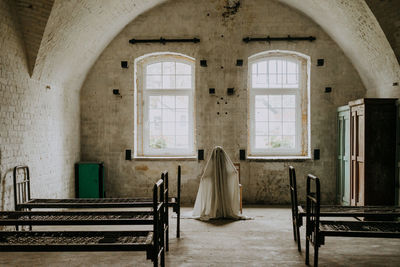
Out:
{"x": 271, "y": 39}
{"x": 164, "y": 41}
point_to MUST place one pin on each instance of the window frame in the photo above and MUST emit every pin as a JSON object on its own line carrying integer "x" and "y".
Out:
{"x": 142, "y": 148}
{"x": 302, "y": 107}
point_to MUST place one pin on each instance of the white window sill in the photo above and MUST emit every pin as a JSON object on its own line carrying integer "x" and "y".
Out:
{"x": 165, "y": 158}
{"x": 279, "y": 158}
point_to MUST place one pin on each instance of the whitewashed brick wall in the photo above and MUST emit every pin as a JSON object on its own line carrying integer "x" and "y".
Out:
{"x": 39, "y": 121}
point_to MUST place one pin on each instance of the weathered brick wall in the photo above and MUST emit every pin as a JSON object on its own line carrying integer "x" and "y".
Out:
{"x": 107, "y": 120}
{"x": 39, "y": 121}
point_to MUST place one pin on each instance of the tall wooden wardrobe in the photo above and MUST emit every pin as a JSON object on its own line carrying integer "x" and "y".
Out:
{"x": 372, "y": 151}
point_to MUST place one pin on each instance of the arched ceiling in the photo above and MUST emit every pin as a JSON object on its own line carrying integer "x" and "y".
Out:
{"x": 77, "y": 32}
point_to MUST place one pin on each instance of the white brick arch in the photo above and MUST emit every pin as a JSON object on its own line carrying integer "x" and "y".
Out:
{"x": 78, "y": 31}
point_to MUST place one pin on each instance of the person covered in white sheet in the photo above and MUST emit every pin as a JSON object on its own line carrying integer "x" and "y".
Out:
{"x": 218, "y": 195}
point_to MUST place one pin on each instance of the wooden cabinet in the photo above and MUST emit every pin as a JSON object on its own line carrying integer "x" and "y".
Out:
{"x": 343, "y": 156}
{"x": 373, "y": 151}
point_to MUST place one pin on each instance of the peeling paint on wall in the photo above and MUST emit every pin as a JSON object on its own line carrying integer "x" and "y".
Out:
{"x": 231, "y": 8}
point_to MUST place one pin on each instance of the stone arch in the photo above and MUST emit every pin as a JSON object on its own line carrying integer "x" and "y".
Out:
{"x": 78, "y": 31}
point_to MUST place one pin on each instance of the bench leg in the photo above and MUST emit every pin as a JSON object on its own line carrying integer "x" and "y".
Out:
{"x": 178, "y": 222}
{"x": 167, "y": 232}
{"x": 163, "y": 258}
{"x": 155, "y": 261}
{"x": 298, "y": 238}
{"x": 294, "y": 229}
{"x": 307, "y": 251}
{"x": 316, "y": 255}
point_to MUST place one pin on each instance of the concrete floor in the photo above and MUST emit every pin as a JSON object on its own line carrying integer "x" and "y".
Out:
{"x": 265, "y": 241}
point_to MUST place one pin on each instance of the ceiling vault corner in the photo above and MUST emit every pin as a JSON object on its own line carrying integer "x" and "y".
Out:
{"x": 33, "y": 16}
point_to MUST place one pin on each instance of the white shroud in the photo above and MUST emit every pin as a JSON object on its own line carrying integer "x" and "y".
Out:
{"x": 218, "y": 195}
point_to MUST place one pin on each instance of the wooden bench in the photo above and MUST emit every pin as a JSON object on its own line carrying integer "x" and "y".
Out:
{"x": 317, "y": 230}
{"x": 298, "y": 213}
{"x": 151, "y": 241}
{"x": 23, "y": 200}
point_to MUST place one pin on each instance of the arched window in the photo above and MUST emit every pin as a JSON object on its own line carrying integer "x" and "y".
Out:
{"x": 164, "y": 105}
{"x": 279, "y": 105}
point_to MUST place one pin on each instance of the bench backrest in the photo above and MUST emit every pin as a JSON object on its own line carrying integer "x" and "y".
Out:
{"x": 179, "y": 186}
{"x": 313, "y": 208}
{"x": 159, "y": 206}
{"x": 21, "y": 183}
{"x": 293, "y": 191}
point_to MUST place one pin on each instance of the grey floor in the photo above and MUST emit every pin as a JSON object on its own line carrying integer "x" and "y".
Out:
{"x": 265, "y": 241}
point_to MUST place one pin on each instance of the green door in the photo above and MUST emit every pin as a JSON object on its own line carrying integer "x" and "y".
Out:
{"x": 343, "y": 156}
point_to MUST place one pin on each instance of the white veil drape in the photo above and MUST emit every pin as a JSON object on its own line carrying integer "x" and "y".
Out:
{"x": 218, "y": 195}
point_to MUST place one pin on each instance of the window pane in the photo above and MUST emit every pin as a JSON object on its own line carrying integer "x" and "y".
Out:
{"x": 168, "y": 128}
{"x": 154, "y": 68}
{"x": 275, "y": 141}
{"x": 259, "y": 81}
{"x": 168, "y": 115}
{"x": 275, "y": 114}
{"x": 168, "y": 82}
{"x": 261, "y": 128}
{"x": 275, "y": 128}
{"x": 288, "y": 141}
{"x": 261, "y": 101}
{"x": 155, "y": 128}
{"x": 289, "y": 101}
{"x": 262, "y": 67}
{"x": 272, "y": 80}
{"x": 153, "y": 82}
{"x": 182, "y": 101}
{"x": 170, "y": 141}
{"x": 292, "y": 79}
{"x": 272, "y": 68}
{"x": 261, "y": 114}
{"x": 292, "y": 67}
{"x": 182, "y": 141}
{"x": 155, "y": 101}
{"x": 261, "y": 142}
{"x": 182, "y": 128}
{"x": 157, "y": 142}
{"x": 168, "y": 101}
{"x": 280, "y": 66}
{"x": 289, "y": 114}
{"x": 168, "y": 68}
{"x": 288, "y": 128}
{"x": 182, "y": 68}
{"x": 182, "y": 115}
{"x": 275, "y": 101}
{"x": 155, "y": 115}
{"x": 280, "y": 73}
{"x": 183, "y": 82}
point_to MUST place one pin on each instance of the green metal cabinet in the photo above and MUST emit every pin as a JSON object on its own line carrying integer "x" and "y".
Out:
{"x": 343, "y": 156}
{"x": 89, "y": 180}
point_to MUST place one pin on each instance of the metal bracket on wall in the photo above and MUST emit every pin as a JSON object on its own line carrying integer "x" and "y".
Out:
{"x": 271, "y": 39}
{"x": 164, "y": 41}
